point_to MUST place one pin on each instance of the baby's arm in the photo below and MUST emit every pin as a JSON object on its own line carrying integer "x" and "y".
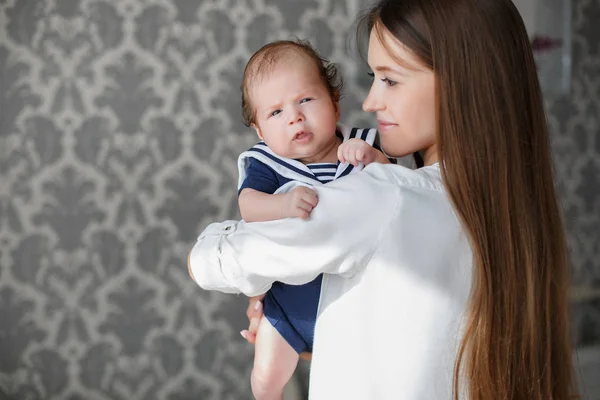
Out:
{"x": 380, "y": 157}
{"x": 257, "y": 206}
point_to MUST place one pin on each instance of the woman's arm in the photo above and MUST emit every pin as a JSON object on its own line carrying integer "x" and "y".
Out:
{"x": 339, "y": 237}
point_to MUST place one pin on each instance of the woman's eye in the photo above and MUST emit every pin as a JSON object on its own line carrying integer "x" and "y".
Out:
{"x": 274, "y": 113}
{"x": 389, "y": 82}
{"x": 371, "y": 74}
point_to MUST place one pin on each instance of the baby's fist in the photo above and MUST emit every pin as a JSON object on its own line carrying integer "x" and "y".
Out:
{"x": 355, "y": 151}
{"x": 300, "y": 202}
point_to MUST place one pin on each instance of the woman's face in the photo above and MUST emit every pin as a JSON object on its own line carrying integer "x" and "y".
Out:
{"x": 403, "y": 97}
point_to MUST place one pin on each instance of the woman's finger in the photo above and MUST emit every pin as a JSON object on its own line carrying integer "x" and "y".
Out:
{"x": 250, "y": 337}
{"x": 254, "y": 322}
{"x": 254, "y": 305}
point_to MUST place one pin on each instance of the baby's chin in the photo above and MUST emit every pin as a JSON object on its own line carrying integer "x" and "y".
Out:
{"x": 297, "y": 154}
{"x": 302, "y": 157}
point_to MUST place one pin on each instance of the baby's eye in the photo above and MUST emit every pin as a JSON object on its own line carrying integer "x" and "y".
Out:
{"x": 306, "y": 99}
{"x": 371, "y": 74}
{"x": 274, "y": 113}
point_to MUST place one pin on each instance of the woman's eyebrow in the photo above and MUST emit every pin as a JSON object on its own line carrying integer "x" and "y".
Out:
{"x": 385, "y": 68}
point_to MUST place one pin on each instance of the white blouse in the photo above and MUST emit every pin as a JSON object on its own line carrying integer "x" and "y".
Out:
{"x": 398, "y": 276}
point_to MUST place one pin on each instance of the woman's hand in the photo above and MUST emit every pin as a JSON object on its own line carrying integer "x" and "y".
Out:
{"x": 254, "y": 312}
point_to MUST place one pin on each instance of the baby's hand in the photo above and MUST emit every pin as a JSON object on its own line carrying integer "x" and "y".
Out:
{"x": 300, "y": 202}
{"x": 355, "y": 151}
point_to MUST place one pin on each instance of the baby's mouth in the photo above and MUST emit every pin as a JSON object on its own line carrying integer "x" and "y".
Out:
{"x": 301, "y": 135}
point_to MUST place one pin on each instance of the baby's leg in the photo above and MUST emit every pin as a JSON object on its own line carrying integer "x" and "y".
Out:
{"x": 274, "y": 363}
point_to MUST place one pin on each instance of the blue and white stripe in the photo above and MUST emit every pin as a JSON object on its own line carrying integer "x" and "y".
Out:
{"x": 324, "y": 172}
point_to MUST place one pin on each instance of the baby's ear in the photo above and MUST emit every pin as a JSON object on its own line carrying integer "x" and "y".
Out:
{"x": 338, "y": 113}
{"x": 257, "y": 129}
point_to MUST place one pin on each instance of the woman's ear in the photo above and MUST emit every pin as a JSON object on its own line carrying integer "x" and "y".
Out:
{"x": 257, "y": 129}
{"x": 338, "y": 113}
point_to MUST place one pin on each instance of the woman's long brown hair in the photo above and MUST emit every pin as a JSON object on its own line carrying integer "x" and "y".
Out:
{"x": 494, "y": 150}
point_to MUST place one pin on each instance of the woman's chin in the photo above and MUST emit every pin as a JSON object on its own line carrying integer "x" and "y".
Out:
{"x": 394, "y": 153}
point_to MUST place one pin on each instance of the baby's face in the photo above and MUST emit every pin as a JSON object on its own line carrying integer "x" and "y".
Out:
{"x": 295, "y": 114}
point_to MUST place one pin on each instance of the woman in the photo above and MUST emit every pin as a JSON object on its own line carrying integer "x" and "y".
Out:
{"x": 449, "y": 281}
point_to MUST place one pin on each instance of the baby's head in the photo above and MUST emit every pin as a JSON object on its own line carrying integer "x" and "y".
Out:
{"x": 290, "y": 96}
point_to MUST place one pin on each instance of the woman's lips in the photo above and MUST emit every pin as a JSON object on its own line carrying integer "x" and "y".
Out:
{"x": 385, "y": 125}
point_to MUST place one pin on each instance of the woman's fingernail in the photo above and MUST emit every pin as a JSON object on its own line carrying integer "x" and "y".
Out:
{"x": 257, "y": 306}
{"x": 243, "y": 333}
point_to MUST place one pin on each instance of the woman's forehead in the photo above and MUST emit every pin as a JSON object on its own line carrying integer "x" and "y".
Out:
{"x": 386, "y": 51}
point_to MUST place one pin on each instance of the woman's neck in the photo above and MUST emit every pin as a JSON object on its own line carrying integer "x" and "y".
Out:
{"x": 429, "y": 155}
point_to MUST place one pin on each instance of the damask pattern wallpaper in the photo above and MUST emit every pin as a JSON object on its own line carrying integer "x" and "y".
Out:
{"x": 120, "y": 128}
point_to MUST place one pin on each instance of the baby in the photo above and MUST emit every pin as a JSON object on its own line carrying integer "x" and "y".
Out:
{"x": 290, "y": 96}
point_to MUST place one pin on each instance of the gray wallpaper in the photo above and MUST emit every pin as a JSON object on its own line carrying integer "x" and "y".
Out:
{"x": 119, "y": 132}
{"x": 575, "y": 123}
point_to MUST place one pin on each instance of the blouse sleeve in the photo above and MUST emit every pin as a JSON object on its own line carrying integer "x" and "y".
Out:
{"x": 339, "y": 238}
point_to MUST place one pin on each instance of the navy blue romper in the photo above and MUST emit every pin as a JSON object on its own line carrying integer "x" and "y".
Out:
{"x": 292, "y": 309}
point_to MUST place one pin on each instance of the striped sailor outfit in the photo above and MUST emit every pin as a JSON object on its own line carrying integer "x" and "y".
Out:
{"x": 292, "y": 310}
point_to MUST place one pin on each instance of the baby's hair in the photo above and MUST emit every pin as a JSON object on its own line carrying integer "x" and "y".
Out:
{"x": 270, "y": 56}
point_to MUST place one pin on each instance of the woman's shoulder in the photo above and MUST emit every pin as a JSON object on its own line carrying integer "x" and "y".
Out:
{"x": 428, "y": 177}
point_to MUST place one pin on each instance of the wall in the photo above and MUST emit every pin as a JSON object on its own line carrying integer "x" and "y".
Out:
{"x": 119, "y": 131}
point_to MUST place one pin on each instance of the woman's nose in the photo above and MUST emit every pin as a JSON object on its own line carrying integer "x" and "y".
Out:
{"x": 372, "y": 102}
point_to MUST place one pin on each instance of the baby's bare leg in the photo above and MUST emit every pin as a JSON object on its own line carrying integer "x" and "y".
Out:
{"x": 274, "y": 363}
